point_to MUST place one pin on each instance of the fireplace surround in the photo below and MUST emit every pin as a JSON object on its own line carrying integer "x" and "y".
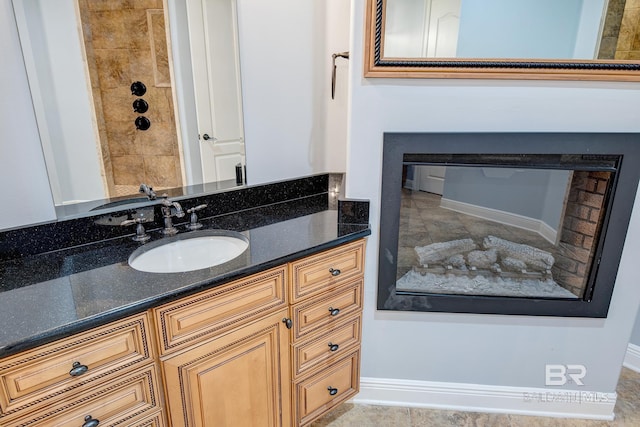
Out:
{"x": 516, "y": 223}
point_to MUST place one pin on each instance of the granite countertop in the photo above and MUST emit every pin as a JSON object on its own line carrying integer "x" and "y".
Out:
{"x": 52, "y": 295}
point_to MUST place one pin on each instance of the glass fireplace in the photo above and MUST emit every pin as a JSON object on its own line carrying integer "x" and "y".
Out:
{"x": 504, "y": 223}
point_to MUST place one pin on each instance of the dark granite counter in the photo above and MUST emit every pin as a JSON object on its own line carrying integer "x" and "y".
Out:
{"x": 49, "y": 295}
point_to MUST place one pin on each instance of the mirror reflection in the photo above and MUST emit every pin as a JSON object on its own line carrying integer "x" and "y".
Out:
{"x": 107, "y": 98}
{"x": 524, "y": 29}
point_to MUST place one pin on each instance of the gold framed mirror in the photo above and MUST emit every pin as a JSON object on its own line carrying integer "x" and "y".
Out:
{"x": 600, "y": 26}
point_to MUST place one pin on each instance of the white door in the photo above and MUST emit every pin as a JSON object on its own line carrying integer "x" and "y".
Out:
{"x": 431, "y": 178}
{"x": 422, "y": 28}
{"x": 213, "y": 34}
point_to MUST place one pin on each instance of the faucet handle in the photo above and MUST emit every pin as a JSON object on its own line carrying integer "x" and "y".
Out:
{"x": 141, "y": 234}
{"x": 194, "y": 224}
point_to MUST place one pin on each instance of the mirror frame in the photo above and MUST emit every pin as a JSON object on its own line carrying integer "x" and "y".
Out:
{"x": 375, "y": 65}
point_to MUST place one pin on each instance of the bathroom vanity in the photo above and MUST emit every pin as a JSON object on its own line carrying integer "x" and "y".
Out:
{"x": 270, "y": 338}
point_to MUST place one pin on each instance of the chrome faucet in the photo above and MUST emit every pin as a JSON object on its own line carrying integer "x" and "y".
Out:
{"x": 144, "y": 188}
{"x": 168, "y": 213}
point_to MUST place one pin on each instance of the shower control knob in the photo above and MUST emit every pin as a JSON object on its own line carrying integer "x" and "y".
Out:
{"x": 140, "y": 106}
{"x": 142, "y": 123}
{"x": 138, "y": 89}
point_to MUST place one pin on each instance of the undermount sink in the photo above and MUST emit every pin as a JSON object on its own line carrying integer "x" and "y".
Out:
{"x": 190, "y": 251}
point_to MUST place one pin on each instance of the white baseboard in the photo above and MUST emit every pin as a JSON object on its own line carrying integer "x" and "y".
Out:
{"x": 632, "y": 358}
{"x": 502, "y": 217}
{"x": 545, "y": 402}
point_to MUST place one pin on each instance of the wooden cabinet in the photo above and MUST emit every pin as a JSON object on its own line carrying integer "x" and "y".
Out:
{"x": 108, "y": 374}
{"x": 238, "y": 379}
{"x": 278, "y": 348}
{"x": 326, "y": 318}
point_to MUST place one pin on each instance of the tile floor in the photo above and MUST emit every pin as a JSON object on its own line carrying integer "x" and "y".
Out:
{"x": 627, "y": 414}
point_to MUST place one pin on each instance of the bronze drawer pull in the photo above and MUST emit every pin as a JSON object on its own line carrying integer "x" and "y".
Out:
{"x": 78, "y": 369}
{"x": 334, "y": 271}
{"x": 89, "y": 421}
{"x": 334, "y": 311}
{"x": 287, "y": 322}
{"x": 333, "y": 347}
{"x": 332, "y": 391}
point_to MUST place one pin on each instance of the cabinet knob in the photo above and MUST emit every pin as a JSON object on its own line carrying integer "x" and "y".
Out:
{"x": 89, "y": 421}
{"x": 78, "y": 369}
{"x": 334, "y": 311}
{"x": 334, "y": 271}
{"x": 333, "y": 347}
{"x": 332, "y": 391}
{"x": 288, "y": 322}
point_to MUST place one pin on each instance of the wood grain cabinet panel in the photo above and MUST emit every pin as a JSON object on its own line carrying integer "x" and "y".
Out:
{"x": 316, "y": 274}
{"x": 241, "y": 378}
{"x": 321, "y": 392}
{"x": 320, "y": 314}
{"x": 321, "y": 351}
{"x": 118, "y": 402}
{"x": 35, "y": 377}
{"x": 209, "y": 313}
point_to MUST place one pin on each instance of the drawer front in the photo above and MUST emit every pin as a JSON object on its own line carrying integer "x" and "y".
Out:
{"x": 41, "y": 375}
{"x": 199, "y": 317}
{"x": 155, "y": 420}
{"x": 321, "y": 351}
{"x": 321, "y": 314}
{"x": 328, "y": 388}
{"x": 119, "y": 402}
{"x": 315, "y": 274}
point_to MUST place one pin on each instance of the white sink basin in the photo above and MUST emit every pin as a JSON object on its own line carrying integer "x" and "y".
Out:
{"x": 189, "y": 251}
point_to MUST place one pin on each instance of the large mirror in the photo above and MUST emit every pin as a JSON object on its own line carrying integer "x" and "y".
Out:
{"x": 131, "y": 92}
{"x": 517, "y": 39}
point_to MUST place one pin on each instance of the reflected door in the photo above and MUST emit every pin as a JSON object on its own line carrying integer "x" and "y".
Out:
{"x": 422, "y": 28}
{"x": 216, "y": 69}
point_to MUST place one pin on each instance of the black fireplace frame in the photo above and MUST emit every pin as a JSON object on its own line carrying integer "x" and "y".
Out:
{"x": 595, "y": 303}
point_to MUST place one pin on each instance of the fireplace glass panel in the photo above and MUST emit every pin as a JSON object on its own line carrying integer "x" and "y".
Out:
{"x": 486, "y": 226}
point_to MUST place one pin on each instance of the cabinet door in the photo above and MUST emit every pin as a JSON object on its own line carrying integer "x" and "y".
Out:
{"x": 239, "y": 379}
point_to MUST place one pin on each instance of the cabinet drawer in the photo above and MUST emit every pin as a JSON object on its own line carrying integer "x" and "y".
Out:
{"x": 155, "y": 420}
{"x": 196, "y": 318}
{"x": 328, "y": 388}
{"x": 119, "y": 402}
{"x": 41, "y": 375}
{"x": 321, "y": 314}
{"x": 314, "y": 274}
{"x": 323, "y": 350}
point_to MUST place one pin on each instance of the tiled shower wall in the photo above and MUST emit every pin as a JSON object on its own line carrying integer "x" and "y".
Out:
{"x": 629, "y": 39}
{"x": 125, "y": 42}
{"x": 611, "y": 30}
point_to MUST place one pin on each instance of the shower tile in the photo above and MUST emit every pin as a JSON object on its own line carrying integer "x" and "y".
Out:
{"x": 127, "y": 170}
{"x": 122, "y": 138}
{"x": 161, "y": 172}
{"x": 142, "y": 68}
{"x": 112, "y": 66}
{"x": 116, "y": 105}
{"x": 159, "y": 140}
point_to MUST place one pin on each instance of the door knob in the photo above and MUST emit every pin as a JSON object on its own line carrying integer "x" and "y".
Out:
{"x": 206, "y": 137}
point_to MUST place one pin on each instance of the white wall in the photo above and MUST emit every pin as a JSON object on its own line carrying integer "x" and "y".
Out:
{"x": 63, "y": 102}
{"x": 485, "y": 349}
{"x": 25, "y": 193}
{"x": 635, "y": 336}
{"x": 285, "y": 57}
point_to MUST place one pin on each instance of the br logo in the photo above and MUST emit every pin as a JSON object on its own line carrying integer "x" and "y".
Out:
{"x": 561, "y": 374}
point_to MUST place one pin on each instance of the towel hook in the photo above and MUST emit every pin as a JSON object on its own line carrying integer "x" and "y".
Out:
{"x": 333, "y": 74}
